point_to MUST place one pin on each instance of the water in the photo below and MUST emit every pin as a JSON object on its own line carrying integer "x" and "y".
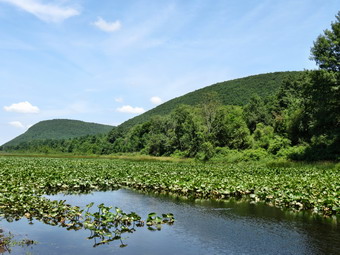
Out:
{"x": 201, "y": 227}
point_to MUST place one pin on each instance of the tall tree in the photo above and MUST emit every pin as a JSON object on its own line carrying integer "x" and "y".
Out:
{"x": 323, "y": 92}
{"x": 256, "y": 112}
{"x": 209, "y": 109}
{"x": 326, "y": 49}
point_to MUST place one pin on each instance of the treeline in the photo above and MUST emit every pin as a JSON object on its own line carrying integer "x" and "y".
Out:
{"x": 290, "y": 124}
{"x": 59, "y": 129}
{"x": 301, "y": 121}
{"x": 233, "y": 92}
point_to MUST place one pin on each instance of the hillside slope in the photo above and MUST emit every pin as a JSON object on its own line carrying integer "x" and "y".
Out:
{"x": 233, "y": 92}
{"x": 59, "y": 129}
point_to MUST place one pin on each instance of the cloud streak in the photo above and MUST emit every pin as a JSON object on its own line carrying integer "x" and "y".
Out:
{"x": 22, "y": 107}
{"x": 119, "y": 99}
{"x": 16, "y": 124}
{"x": 45, "y": 12}
{"x": 130, "y": 109}
{"x": 107, "y": 26}
{"x": 156, "y": 100}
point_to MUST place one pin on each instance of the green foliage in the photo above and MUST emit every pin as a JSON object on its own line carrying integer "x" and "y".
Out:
{"x": 293, "y": 153}
{"x": 262, "y": 115}
{"x": 24, "y": 180}
{"x": 321, "y": 97}
{"x": 206, "y": 152}
{"x": 186, "y": 131}
{"x": 326, "y": 49}
{"x": 226, "y": 155}
{"x": 263, "y": 135}
{"x": 157, "y": 145}
{"x": 59, "y": 129}
{"x": 233, "y": 92}
{"x": 230, "y": 129}
{"x": 256, "y": 112}
{"x": 278, "y": 143}
{"x": 254, "y": 154}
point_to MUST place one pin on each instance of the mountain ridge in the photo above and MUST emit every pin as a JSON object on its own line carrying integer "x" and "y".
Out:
{"x": 59, "y": 129}
{"x": 231, "y": 92}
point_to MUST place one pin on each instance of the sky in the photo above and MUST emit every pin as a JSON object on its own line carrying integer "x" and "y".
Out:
{"x": 107, "y": 61}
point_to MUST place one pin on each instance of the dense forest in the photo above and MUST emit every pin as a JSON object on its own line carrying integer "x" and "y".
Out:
{"x": 233, "y": 92}
{"x": 300, "y": 121}
{"x": 59, "y": 129}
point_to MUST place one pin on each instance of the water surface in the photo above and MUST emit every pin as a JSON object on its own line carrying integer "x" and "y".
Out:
{"x": 201, "y": 227}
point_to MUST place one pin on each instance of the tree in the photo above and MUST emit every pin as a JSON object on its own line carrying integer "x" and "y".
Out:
{"x": 326, "y": 49}
{"x": 323, "y": 91}
{"x": 209, "y": 109}
{"x": 256, "y": 112}
{"x": 186, "y": 130}
{"x": 230, "y": 129}
{"x": 322, "y": 94}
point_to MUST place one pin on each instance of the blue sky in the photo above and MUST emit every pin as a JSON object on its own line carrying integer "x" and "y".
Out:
{"x": 107, "y": 61}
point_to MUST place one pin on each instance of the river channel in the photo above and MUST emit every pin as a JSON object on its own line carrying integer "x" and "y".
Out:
{"x": 201, "y": 227}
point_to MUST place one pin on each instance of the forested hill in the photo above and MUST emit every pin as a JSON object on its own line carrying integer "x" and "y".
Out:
{"x": 59, "y": 129}
{"x": 233, "y": 92}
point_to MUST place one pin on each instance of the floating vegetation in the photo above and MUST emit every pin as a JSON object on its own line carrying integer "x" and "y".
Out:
{"x": 7, "y": 241}
{"x": 107, "y": 226}
{"x": 24, "y": 181}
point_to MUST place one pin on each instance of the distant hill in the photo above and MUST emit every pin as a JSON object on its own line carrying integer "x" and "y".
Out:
{"x": 233, "y": 92}
{"x": 59, "y": 129}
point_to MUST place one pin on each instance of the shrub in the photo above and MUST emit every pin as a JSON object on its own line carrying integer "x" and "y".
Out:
{"x": 254, "y": 154}
{"x": 293, "y": 153}
{"x": 206, "y": 152}
{"x": 277, "y": 144}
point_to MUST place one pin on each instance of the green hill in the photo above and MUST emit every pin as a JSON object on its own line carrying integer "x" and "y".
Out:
{"x": 233, "y": 92}
{"x": 59, "y": 129}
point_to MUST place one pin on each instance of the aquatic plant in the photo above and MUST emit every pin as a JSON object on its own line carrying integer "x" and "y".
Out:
{"x": 7, "y": 241}
{"x": 24, "y": 181}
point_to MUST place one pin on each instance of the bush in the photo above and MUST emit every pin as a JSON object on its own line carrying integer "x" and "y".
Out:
{"x": 263, "y": 135}
{"x": 277, "y": 144}
{"x": 293, "y": 153}
{"x": 206, "y": 152}
{"x": 180, "y": 154}
{"x": 227, "y": 155}
{"x": 254, "y": 154}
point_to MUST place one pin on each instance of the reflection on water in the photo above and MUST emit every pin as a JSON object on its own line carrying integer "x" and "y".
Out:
{"x": 202, "y": 227}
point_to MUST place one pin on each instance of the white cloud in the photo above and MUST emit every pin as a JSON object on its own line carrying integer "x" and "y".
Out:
{"x": 45, "y": 12}
{"x": 16, "y": 124}
{"x": 119, "y": 99}
{"x": 156, "y": 100}
{"x": 107, "y": 26}
{"x": 22, "y": 107}
{"x": 130, "y": 109}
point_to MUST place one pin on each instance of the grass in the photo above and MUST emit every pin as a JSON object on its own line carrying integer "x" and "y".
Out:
{"x": 123, "y": 156}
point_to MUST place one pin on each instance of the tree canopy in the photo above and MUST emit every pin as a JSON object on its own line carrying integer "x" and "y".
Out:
{"x": 326, "y": 49}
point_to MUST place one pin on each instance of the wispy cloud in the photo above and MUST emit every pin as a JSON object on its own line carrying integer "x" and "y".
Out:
{"x": 143, "y": 35}
{"x": 107, "y": 26}
{"x": 119, "y": 99}
{"x": 22, "y": 107}
{"x": 130, "y": 109}
{"x": 156, "y": 100}
{"x": 79, "y": 107}
{"x": 45, "y": 12}
{"x": 16, "y": 124}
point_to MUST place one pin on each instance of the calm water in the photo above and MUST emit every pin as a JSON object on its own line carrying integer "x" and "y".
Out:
{"x": 201, "y": 227}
